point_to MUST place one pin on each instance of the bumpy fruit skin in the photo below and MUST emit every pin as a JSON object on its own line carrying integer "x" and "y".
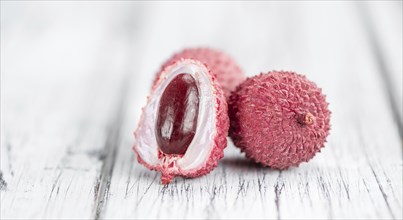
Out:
{"x": 227, "y": 71}
{"x": 279, "y": 119}
{"x": 220, "y": 136}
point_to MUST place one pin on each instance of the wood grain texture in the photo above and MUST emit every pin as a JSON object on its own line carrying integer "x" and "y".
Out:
{"x": 73, "y": 88}
{"x": 62, "y": 88}
{"x": 380, "y": 20}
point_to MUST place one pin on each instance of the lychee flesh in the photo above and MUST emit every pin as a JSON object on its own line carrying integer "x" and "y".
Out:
{"x": 226, "y": 69}
{"x": 165, "y": 152}
{"x": 279, "y": 119}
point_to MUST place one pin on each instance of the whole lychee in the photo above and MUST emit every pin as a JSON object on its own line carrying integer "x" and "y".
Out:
{"x": 279, "y": 119}
{"x": 227, "y": 71}
{"x": 183, "y": 127}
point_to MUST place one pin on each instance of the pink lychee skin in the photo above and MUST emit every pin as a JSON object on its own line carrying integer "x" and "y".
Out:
{"x": 267, "y": 114}
{"x": 227, "y": 71}
{"x": 222, "y": 126}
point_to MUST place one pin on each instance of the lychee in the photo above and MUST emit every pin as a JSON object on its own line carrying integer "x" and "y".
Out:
{"x": 227, "y": 71}
{"x": 279, "y": 119}
{"x": 183, "y": 127}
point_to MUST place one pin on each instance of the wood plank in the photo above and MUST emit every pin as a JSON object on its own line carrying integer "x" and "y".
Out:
{"x": 358, "y": 174}
{"x": 63, "y": 68}
{"x": 68, "y": 114}
{"x": 381, "y": 19}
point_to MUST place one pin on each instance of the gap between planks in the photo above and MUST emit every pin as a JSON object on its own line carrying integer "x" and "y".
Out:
{"x": 110, "y": 149}
{"x": 104, "y": 180}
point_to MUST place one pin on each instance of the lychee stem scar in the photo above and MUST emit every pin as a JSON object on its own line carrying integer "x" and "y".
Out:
{"x": 306, "y": 119}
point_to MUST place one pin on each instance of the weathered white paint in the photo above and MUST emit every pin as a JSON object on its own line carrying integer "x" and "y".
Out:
{"x": 75, "y": 76}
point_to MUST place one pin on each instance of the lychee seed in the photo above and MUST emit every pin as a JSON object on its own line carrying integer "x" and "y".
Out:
{"x": 177, "y": 115}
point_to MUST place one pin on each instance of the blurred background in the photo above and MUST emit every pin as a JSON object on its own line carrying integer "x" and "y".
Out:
{"x": 74, "y": 76}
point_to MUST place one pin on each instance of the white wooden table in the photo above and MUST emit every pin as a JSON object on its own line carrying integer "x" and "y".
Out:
{"x": 76, "y": 74}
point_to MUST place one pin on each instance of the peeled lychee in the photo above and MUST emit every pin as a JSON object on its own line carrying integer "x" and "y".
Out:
{"x": 227, "y": 71}
{"x": 183, "y": 127}
{"x": 279, "y": 119}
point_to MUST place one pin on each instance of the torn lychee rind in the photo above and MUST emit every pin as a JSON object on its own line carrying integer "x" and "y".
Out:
{"x": 279, "y": 119}
{"x": 207, "y": 146}
{"x": 224, "y": 67}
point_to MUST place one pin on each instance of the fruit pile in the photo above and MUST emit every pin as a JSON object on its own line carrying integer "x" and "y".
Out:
{"x": 199, "y": 96}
